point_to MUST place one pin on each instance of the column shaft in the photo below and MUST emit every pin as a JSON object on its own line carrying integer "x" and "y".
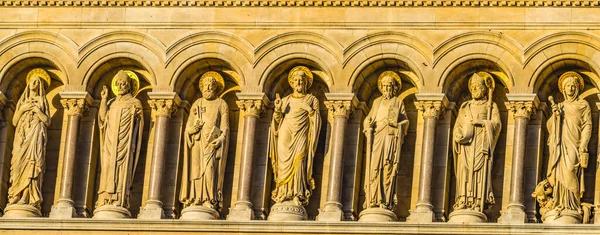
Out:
{"x": 336, "y": 166}
{"x": 426, "y": 173}
{"x": 158, "y": 159}
{"x": 68, "y": 168}
{"x": 245, "y": 178}
{"x": 516, "y": 184}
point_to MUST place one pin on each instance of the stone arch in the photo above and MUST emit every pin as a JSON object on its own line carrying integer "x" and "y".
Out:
{"x": 364, "y": 72}
{"x": 275, "y": 77}
{"x": 456, "y": 74}
{"x": 504, "y": 44}
{"x": 298, "y": 37}
{"x": 110, "y": 64}
{"x": 113, "y": 39}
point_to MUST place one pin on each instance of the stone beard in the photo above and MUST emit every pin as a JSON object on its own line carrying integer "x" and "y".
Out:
{"x": 121, "y": 125}
{"x": 475, "y": 135}
{"x": 31, "y": 118}
{"x": 385, "y": 127}
{"x": 570, "y": 129}
{"x": 203, "y": 166}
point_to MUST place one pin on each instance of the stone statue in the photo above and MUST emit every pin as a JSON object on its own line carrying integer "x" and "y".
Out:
{"x": 121, "y": 124}
{"x": 31, "y": 118}
{"x": 475, "y": 135}
{"x": 206, "y": 137}
{"x": 570, "y": 129}
{"x": 385, "y": 127}
{"x": 293, "y": 138}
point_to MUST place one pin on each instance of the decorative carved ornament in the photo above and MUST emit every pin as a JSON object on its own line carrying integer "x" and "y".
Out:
{"x": 74, "y": 106}
{"x": 251, "y": 107}
{"x": 162, "y": 107}
{"x": 339, "y": 108}
{"x": 521, "y": 109}
{"x": 313, "y": 3}
{"x": 430, "y": 109}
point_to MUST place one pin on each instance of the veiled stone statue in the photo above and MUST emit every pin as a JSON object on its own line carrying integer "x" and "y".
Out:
{"x": 569, "y": 129}
{"x": 293, "y": 138}
{"x": 385, "y": 127}
{"x": 206, "y": 138}
{"x": 474, "y": 138}
{"x": 31, "y": 118}
{"x": 121, "y": 124}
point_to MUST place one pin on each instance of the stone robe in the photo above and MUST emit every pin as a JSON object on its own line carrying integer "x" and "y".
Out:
{"x": 386, "y": 143}
{"x": 29, "y": 150}
{"x": 567, "y": 133}
{"x": 120, "y": 141}
{"x": 473, "y": 154}
{"x": 293, "y": 138}
{"x": 204, "y": 166}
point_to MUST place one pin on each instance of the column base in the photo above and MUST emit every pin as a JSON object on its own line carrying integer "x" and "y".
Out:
{"x": 332, "y": 212}
{"x": 423, "y": 214}
{"x": 241, "y": 212}
{"x": 467, "y": 217}
{"x": 565, "y": 217}
{"x": 513, "y": 216}
{"x": 151, "y": 212}
{"x": 111, "y": 212}
{"x": 63, "y": 210}
{"x": 16, "y": 211}
{"x": 199, "y": 213}
{"x": 377, "y": 215}
{"x": 287, "y": 211}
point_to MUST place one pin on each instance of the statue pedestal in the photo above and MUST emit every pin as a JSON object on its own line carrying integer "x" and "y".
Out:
{"x": 565, "y": 217}
{"x": 151, "y": 212}
{"x": 21, "y": 211}
{"x": 111, "y": 212}
{"x": 63, "y": 210}
{"x": 199, "y": 213}
{"x": 377, "y": 215}
{"x": 287, "y": 211}
{"x": 241, "y": 212}
{"x": 467, "y": 217}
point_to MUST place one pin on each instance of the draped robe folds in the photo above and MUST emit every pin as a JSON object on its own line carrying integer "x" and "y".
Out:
{"x": 204, "y": 166}
{"x": 473, "y": 154}
{"x": 293, "y": 138}
{"x": 380, "y": 183}
{"x": 29, "y": 152}
{"x": 567, "y": 133}
{"x": 121, "y": 137}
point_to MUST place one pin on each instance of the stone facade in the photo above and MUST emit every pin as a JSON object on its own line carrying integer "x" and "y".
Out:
{"x": 434, "y": 46}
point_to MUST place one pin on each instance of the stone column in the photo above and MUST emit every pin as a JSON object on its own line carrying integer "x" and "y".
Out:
{"x": 431, "y": 111}
{"x": 522, "y": 111}
{"x": 162, "y": 109}
{"x": 243, "y": 207}
{"x": 339, "y": 111}
{"x": 75, "y": 105}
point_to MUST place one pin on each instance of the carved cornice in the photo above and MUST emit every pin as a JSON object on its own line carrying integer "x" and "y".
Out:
{"x": 314, "y": 3}
{"x": 253, "y": 108}
{"x": 162, "y": 107}
{"x": 431, "y": 109}
{"x": 74, "y": 107}
{"x": 339, "y": 108}
{"x": 522, "y": 109}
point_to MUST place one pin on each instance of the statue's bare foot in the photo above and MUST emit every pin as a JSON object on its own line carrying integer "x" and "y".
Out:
{"x": 297, "y": 201}
{"x": 207, "y": 204}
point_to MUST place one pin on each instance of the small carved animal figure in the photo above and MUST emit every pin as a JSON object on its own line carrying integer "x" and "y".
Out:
{"x": 542, "y": 193}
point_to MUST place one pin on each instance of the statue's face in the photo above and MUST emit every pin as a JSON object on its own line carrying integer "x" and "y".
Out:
{"x": 298, "y": 82}
{"x": 123, "y": 85}
{"x": 570, "y": 87}
{"x": 478, "y": 91}
{"x": 387, "y": 86}
{"x": 34, "y": 83}
{"x": 209, "y": 88}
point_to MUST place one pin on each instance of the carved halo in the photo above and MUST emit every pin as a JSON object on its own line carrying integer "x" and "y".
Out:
{"x": 40, "y": 73}
{"x": 306, "y": 71}
{"x": 392, "y": 74}
{"x": 217, "y": 78}
{"x": 567, "y": 75}
{"x": 135, "y": 82}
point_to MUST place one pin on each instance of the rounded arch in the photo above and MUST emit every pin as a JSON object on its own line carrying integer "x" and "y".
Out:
{"x": 480, "y": 41}
{"x": 46, "y": 40}
{"x": 298, "y": 37}
{"x": 233, "y": 46}
{"x": 403, "y": 65}
{"x": 101, "y": 72}
{"x": 388, "y": 41}
{"x": 183, "y": 62}
{"x": 456, "y": 77}
{"x": 546, "y": 78}
{"x": 143, "y": 42}
{"x": 284, "y": 63}
{"x": 16, "y": 65}
{"x": 544, "y": 46}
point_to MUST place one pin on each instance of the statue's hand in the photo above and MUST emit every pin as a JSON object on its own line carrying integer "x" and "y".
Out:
{"x": 104, "y": 93}
{"x": 458, "y": 137}
{"x": 198, "y": 125}
{"x": 277, "y": 102}
{"x": 215, "y": 144}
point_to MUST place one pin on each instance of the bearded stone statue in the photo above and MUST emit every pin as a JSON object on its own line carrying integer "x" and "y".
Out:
{"x": 475, "y": 135}
{"x": 385, "y": 127}
{"x": 205, "y": 155}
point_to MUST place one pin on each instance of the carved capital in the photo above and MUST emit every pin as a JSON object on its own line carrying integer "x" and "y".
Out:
{"x": 74, "y": 107}
{"x": 252, "y": 108}
{"x": 162, "y": 107}
{"x": 431, "y": 109}
{"x": 339, "y": 108}
{"x": 521, "y": 109}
